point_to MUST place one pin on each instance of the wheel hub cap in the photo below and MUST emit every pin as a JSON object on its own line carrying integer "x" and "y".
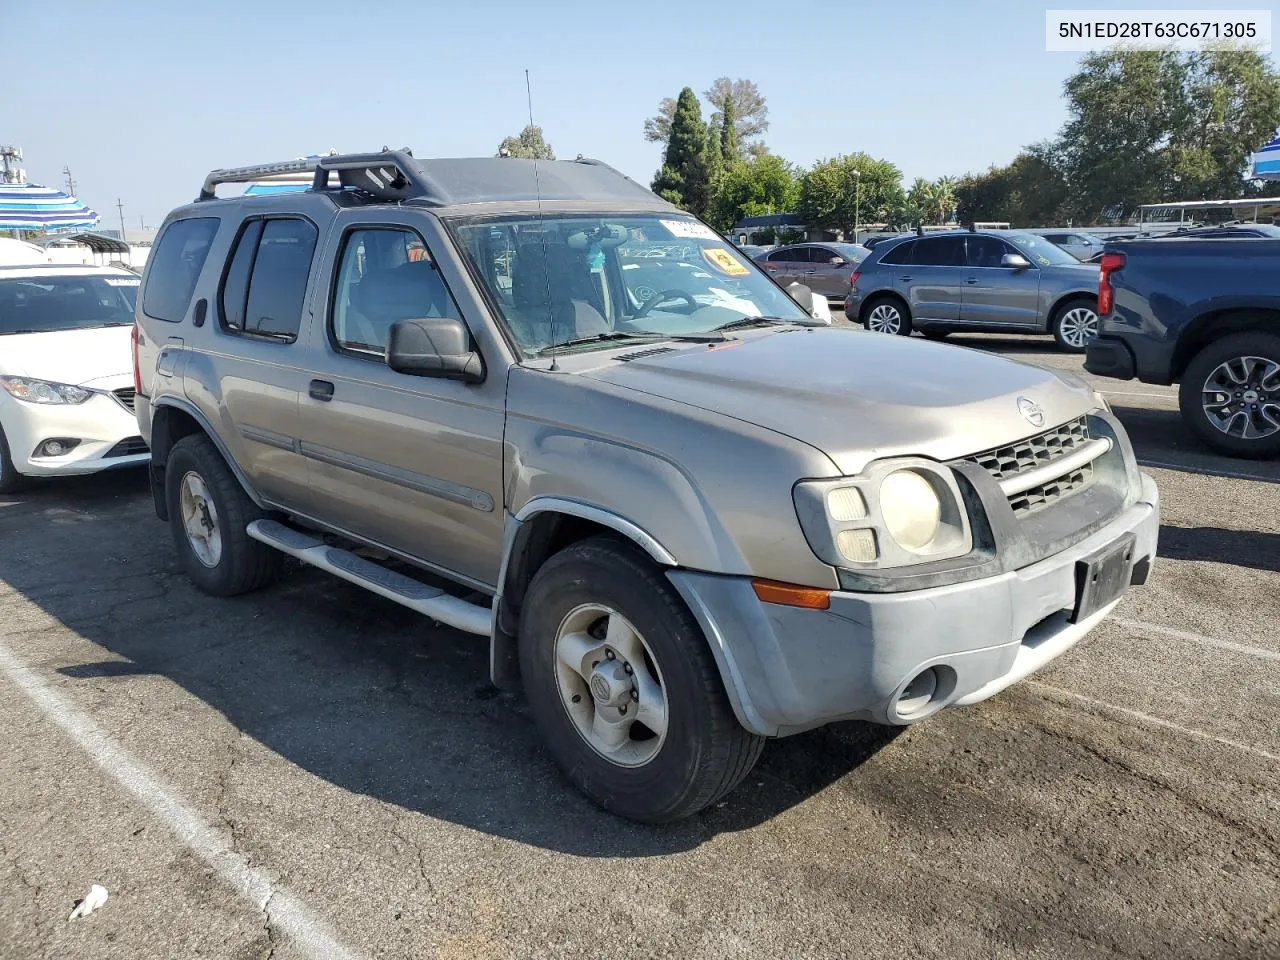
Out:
{"x": 200, "y": 520}
{"x": 1079, "y": 326}
{"x": 610, "y": 685}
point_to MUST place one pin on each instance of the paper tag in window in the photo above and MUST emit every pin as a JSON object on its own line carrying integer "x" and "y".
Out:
{"x": 122, "y": 282}
{"x": 724, "y": 261}
{"x": 689, "y": 228}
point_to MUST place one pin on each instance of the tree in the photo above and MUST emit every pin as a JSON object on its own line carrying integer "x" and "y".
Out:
{"x": 751, "y": 189}
{"x": 529, "y": 145}
{"x": 1147, "y": 126}
{"x": 684, "y": 179}
{"x": 750, "y": 112}
{"x": 714, "y": 158}
{"x": 929, "y": 200}
{"x": 1030, "y": 191}
{"x": 856, "y": 187}
{"x": 729, "y": 134}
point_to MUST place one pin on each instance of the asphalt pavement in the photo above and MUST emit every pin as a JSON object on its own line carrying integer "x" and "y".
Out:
{"x": 314, "y": 772}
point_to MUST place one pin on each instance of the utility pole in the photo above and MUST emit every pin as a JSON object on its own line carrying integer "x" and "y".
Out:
{"x": 71, "y": 184}
{"x": 120, "y": 207}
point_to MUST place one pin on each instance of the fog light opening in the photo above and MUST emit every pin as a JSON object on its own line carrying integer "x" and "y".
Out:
{"x": 56, "y": 447}
{"x": 918, "y": 694}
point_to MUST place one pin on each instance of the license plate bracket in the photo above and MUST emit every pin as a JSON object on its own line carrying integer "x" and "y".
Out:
{"x": 1103, "y": 576}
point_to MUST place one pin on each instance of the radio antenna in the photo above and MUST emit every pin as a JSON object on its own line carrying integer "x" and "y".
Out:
{"x": 542, "y": 239}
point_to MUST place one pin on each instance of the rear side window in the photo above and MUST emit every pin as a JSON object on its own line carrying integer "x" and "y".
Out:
{"x": 901, "y": 253}
{"x": 790, "y": 255}
{"x": 266, "y": 278}
{"x": 940, "y": 252}
{"x": 176, "y": 262}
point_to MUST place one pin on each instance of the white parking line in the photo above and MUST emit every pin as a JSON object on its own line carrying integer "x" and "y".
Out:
{"x": 1262, "y": 653}
{"x": 1155, "y": 721}
{"x": 1131, "y": 393}
{"x": 1205, "y": 471}
{"x": 283, "y": 911}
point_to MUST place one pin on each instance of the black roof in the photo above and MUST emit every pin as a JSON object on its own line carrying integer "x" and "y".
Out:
{"x": 397, "y": 176}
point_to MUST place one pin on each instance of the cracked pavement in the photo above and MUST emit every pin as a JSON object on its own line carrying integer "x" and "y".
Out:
{"x": 354, "y": 756}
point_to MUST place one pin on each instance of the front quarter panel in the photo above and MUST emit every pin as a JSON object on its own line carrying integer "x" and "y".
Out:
{"x": 713, "y": 492}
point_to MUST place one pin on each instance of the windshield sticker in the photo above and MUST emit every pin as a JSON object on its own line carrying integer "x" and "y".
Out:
{"x": 122, "y": 282}
{"x": 689, "y": 228}
{"x": 723, "y": 261}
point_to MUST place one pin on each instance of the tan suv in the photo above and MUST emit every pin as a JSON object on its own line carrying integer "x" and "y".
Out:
{"x": 683, "y": 516}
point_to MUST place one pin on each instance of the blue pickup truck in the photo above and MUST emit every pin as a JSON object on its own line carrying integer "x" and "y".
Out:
{"x": 1204, "y": 314}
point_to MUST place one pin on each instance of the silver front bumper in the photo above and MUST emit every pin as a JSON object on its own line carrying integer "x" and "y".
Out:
{"x": 788, "y": 669}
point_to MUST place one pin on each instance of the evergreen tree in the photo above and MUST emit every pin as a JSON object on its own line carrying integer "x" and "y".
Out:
{"x": 729, "y": 135}
{"x": 684, "y": 178}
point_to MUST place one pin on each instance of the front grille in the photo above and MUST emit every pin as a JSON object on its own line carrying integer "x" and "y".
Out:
{"x": 1047, "y": 494}
{"x": 1008, "y": 462}
{"x": 1005, "y": 462}
{"x": 125, "y": 396}
{"x": 128, "y": 447}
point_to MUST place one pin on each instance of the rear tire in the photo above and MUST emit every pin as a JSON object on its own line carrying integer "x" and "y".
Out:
{"x": 208, "y": 513}
{"x": 884, "y": 314}
{"x": 1230, "y": 389}
{"x": 1075, "y": 323}
{"x": 599, "y": 605}
{"x": 11, "y": 480}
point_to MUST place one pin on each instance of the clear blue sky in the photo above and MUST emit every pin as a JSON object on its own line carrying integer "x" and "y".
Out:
{"x": 142, "y": 98}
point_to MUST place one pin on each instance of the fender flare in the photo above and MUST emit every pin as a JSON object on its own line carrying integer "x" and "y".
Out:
{"x": 202, "y": 421}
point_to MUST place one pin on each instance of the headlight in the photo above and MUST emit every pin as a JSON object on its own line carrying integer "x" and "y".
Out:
{"x": 896, "y": 513}
{"x": 911, "y": 509}
{"x": 44, "y": 391}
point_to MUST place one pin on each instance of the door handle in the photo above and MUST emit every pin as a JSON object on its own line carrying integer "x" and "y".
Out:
{"x": 971, "y": 280}
{"x": 906, "y": 279}
{"x": 321, "y": 390}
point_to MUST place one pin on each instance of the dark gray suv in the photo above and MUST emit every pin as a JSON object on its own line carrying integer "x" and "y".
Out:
{"x": 993, "y": 281}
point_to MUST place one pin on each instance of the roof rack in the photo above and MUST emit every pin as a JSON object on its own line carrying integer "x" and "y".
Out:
{"x": 388, "y": 175}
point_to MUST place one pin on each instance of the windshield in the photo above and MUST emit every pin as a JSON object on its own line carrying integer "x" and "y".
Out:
{"x": 606, "y": 278}
{"x": 48, "y": 303}
{"x": 1038, "y": 249}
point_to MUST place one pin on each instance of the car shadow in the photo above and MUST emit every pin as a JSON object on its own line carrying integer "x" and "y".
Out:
{"x": 348, "y": 686}
{"x": 1241, "y": 548}
{"x": 1161, "y": 439}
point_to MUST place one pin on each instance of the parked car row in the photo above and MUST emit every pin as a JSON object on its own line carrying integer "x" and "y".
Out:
{"x": 825, "y": 268}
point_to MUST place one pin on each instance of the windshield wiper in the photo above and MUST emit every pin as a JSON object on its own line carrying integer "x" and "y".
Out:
{"x": 751, "y": 322}
{"x": 711, "y": 336}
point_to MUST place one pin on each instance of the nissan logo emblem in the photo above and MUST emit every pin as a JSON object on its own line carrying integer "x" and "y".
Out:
{"x": 1031, "y": 410}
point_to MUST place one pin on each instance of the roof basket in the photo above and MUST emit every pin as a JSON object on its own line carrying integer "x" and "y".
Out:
{"x": 391, "y": 175}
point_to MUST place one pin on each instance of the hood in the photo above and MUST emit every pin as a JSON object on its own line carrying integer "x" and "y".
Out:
{"x": 858, "y": 396}
{"x": 69, "y": 356}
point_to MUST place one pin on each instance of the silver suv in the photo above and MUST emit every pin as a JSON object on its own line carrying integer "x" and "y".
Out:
{"x": 685, "y": 519}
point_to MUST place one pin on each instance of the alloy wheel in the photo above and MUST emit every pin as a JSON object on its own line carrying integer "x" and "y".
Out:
{"x": 885, "y": 318}
{"x": 610, "y": 685}
{"x": 1241, "y": 397}
{"x": 1078, "y": 326}
{"x": 200, "y": 520}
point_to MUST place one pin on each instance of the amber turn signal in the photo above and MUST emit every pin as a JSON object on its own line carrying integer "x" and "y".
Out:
{"x": 788, "y": 594}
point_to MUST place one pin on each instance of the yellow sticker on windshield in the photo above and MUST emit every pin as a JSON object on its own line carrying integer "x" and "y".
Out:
{"x": 723, "y": 261}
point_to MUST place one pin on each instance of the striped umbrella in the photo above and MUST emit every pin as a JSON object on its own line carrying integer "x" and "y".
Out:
{"x": 29, "y": 206}
{"x": 1266, "y": 162}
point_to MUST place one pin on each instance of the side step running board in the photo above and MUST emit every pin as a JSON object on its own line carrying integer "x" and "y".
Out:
{"x": 422, "y": 597}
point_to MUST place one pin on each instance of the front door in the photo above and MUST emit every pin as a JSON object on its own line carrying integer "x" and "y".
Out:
{"x": 997, "y": 295}
{"x": 411, "y": 463}
{"x": 831, "y": 279}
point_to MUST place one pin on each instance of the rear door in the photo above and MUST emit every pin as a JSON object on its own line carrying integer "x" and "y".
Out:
{"x": 786, "y": 264}
{"x": 932, "y": 282}
{"x": 996, "y": 295}
{"x": 246, "y": 372}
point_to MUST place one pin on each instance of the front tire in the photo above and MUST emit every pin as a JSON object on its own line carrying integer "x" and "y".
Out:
{"x": 887, "y": 315}
{"x": 1230, "y": 395}
{"x": 623, "y": 687}
{"x": 935, "y": 333}
{"x": 208, "y": 513}
{"x": 1075, "y": 323}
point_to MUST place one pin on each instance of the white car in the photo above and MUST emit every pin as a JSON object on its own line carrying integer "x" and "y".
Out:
{"x": 66, "y": 372}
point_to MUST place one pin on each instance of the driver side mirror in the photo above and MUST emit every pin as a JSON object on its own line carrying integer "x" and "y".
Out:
{"x": 434, "y": 347}
{"x": 1015, "y": 260}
